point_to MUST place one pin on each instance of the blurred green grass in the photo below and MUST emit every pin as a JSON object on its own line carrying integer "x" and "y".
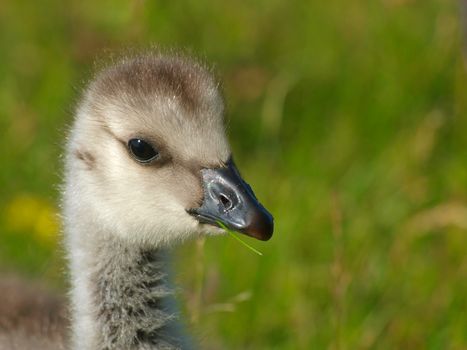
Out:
{"x": 349, "y": 121}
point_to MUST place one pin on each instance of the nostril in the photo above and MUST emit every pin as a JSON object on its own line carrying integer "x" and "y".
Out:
{"x": 226, "y": 202}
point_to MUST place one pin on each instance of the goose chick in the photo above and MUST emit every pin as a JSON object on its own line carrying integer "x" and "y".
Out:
{"x": 147, "y": 165}
{"x": 31, "y": 316}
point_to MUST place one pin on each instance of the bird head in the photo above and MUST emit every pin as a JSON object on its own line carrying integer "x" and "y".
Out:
{"x": 148, "y": 157}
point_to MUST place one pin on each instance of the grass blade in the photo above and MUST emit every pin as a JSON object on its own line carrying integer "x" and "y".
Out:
{"x": 233, "y": 235}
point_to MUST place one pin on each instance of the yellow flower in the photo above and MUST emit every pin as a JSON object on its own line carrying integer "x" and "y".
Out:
{"x": 29, "y": 213}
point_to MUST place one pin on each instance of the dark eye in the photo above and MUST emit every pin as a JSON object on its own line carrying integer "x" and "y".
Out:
{"x": 141, "y": 150}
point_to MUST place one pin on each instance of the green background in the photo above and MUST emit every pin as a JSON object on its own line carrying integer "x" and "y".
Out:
{"x": 348, "y": 118}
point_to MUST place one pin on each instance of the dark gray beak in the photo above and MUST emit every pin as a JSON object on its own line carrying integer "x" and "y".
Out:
{"x": 229, "y": 199}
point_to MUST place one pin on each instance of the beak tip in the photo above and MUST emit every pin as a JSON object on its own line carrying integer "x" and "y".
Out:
{"x": 261, "y": 227}
{"x": 264, "y": 238}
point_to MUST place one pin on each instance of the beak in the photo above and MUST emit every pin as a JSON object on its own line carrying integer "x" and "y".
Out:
{"x": 230, "y": 200}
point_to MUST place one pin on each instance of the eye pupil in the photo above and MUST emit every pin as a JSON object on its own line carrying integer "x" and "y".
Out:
{"x": 142, "y": 150}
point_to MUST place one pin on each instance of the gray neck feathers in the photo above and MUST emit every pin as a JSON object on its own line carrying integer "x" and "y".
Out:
{"x": 121, "y": 298}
